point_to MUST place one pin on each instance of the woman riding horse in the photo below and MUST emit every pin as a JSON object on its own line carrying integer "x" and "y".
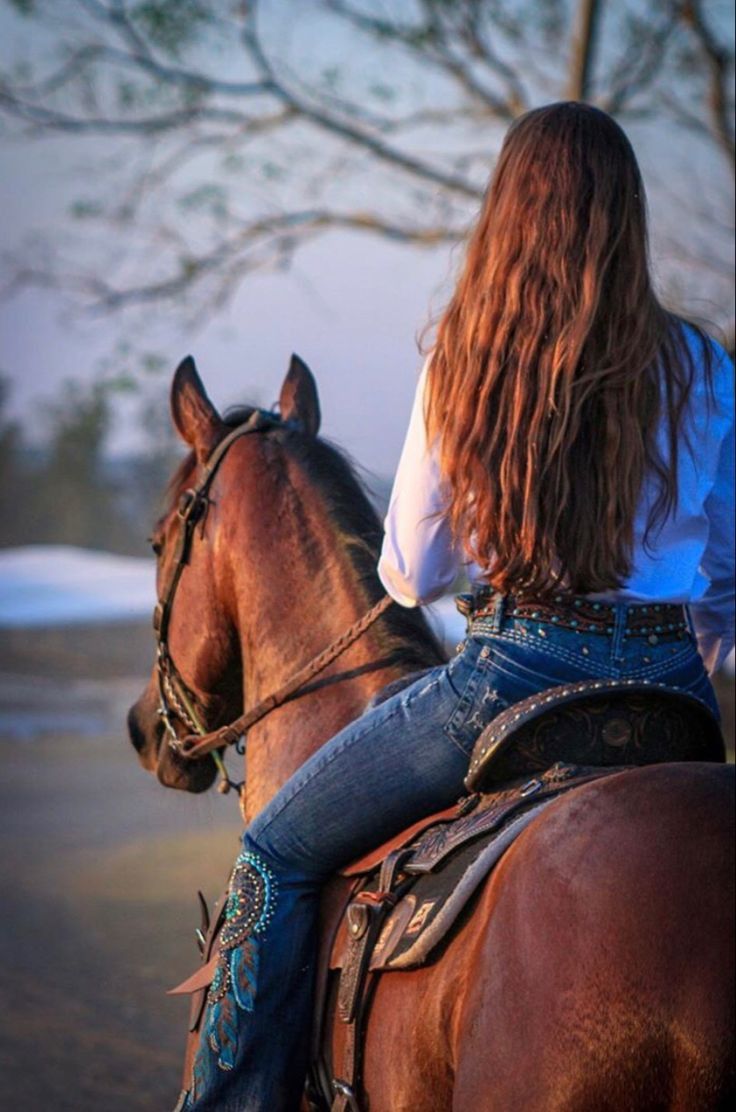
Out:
{"x": 571, "y": 448}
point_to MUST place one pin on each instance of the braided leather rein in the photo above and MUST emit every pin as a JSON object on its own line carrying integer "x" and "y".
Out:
{"x": 177, "y": 702}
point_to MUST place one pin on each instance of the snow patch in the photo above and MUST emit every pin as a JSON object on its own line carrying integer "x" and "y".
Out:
{"x": 44, "y": 585}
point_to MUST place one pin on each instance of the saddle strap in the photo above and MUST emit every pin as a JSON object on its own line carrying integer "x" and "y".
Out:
{"x": 365, "y": 917}
{"x": 363, "y": 921}
{"x": 347, "y": 1087}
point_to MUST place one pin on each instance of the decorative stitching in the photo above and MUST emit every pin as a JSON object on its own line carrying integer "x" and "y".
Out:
{"x": 471, "y": 715}
{"x": 250, "y": 901}
{"x": 249, "y": 908}
{"x": 658, "y": 667}
{"x": 587, "y": 667}
{"x": 593, "y": 667}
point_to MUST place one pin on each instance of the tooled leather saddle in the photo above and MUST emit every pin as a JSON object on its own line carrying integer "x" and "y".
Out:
{"x": 398, "y": 907}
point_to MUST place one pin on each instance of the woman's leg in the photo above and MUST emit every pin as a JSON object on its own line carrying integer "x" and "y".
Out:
{"x": 384, "y": 771}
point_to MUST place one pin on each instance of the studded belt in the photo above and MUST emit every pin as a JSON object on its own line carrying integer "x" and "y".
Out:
{"x": 653, "y": 621}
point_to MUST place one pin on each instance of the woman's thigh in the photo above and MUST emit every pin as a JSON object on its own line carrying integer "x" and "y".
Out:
{"x": 382, "y": 772}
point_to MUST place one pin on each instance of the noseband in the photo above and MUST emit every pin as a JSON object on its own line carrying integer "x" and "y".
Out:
{"x": 177, "y": 701}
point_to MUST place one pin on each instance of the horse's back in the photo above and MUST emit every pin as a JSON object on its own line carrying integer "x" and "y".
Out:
{"x": 596, "y": 971}
{"x": 604, "y": 978}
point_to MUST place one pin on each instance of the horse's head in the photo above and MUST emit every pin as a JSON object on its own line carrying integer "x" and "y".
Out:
{"x": 198, "y": 670}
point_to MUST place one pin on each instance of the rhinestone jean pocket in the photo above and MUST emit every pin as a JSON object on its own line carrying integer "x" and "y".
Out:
{"x": 479, "y": 701}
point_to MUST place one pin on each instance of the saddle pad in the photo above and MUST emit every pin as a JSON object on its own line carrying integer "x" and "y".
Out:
{"x": 426, "y": 914}
{"x": 446, "y": 864}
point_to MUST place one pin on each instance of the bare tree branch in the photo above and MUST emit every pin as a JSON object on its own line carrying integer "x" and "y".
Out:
{"x": 454, "y": 64}
{"x": 264, "y": 154}
{"x": 720, "y": 66}
{"x": 140, "y": 57}
{"x": 191, "y": 148}
{"x": 343, "y": 128}
{"x": 53, "y": 120}
{"x": 281, "y": 230}
{"x": 476, "y": 35}
{"x": 640, "y": 67}
{"x": 65, "y": 74}
{"x": 188, "y": 80}
{"x": 430, "y": 42}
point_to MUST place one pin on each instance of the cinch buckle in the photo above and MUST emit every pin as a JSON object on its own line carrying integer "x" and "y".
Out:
{"x": 342, "y": 1089}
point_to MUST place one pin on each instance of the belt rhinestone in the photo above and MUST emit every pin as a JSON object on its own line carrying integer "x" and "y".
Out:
{"x": 582, "y": 615}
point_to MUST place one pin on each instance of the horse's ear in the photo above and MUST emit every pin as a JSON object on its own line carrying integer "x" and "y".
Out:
{"x": 299, "y": 401}
{"x": 196, "y": 419}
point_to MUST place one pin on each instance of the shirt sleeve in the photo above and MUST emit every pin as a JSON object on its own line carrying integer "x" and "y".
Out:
{"x": 713, "y": 614}
{"x": 418, "y": 560}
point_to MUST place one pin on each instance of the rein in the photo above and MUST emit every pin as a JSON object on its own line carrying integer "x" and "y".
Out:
{"x": 195, "y": 747}
{"x": 177, "y": 702}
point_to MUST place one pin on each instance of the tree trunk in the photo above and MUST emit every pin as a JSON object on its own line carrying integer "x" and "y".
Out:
{"x": 583, "y": 49}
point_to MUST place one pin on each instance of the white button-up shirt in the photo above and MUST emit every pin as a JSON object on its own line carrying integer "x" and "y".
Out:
{"x": 690, "y": 560}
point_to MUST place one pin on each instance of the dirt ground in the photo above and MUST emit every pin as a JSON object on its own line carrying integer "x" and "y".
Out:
{"x": 98, "y": 879}
{"x": 98, "y": 875}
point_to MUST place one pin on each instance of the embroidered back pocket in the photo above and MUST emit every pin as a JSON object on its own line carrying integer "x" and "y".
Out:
{"x": 478, "y": 704}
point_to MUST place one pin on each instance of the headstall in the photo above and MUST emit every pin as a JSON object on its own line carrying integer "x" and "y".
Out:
{"x": 177, "y": 702}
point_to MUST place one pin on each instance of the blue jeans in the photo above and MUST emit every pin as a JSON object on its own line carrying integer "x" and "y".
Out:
{"x": 395, "y": 764}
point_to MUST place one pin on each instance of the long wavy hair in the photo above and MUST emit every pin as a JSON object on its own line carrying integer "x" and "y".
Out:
{"x": 554, "y": 363}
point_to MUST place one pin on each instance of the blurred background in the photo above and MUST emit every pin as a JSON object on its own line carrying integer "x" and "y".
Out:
{"x": 239, "y": 181}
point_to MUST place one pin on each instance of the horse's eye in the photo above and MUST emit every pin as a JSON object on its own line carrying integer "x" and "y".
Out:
{"x": 156, "y": 545}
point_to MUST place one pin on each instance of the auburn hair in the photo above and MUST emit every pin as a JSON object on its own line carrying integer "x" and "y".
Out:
{"x": 554, "y": 364}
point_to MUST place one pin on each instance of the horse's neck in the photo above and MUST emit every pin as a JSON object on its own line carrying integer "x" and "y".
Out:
{"x": 306, "y": 594}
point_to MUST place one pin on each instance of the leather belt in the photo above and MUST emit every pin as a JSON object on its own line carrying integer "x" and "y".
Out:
{"x": 578, "y": 613}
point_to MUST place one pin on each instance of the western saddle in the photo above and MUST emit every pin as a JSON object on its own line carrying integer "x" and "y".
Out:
{"x": 406, "y": 896}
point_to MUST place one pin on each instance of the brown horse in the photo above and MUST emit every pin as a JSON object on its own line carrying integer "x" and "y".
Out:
{"x": 596, "y": 972}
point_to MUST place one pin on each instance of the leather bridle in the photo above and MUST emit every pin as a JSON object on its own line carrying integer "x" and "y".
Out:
{"x": 177, "y": 701}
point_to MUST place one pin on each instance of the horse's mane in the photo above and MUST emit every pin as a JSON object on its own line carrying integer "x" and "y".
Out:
{"x": 407, "y": 636}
